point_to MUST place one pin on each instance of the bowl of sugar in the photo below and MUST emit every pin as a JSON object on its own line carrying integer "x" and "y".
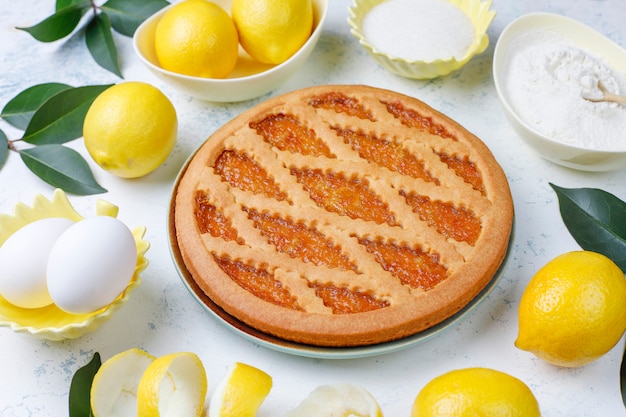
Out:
{"x": 421, "y": 39}
{"x": 546, "y": 68}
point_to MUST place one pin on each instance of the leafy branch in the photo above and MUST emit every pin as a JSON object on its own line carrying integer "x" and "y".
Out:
{"x": 51, "y": 115}
{"x": 596, "y": 220}
{"x": 123, "y": 16}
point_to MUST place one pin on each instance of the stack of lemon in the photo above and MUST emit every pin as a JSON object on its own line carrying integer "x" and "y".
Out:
{"x": 134, "y": 383}
{"x": 199, "y": 38}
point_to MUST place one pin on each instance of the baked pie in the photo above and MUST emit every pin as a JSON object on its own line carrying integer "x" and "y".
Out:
{"x": 342, "y": 215}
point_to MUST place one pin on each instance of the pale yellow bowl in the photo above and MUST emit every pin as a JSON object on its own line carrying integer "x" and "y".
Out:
{"x": 584, "y": 37}
{"x": 478, "y": 12}
{"x": 50, "y": 322}
{"x": 248, "y": 80}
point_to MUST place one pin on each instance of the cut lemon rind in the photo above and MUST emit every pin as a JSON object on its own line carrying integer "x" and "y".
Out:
{"x": 173, "y": 385}
{"x": 114, "y": 387}
{"x": 340, "y": 400}
{"x": 135, "y": 383}
{"x": 241, "y": 392}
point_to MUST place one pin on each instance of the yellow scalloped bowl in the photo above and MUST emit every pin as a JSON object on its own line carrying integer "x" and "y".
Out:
{"x": 478, "y": 12}
{"x": 50, "y": 322}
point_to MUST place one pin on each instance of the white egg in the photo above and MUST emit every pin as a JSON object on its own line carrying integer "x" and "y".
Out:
{"x": 90, "y": 264}
{"x": 24, "y": 259}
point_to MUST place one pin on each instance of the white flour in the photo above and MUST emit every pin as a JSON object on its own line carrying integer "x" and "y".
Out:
{"x": 546, "y": 83}
{"x": 424, "y": 30}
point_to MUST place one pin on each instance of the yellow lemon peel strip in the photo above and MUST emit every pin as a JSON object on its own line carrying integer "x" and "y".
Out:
{"x": 173, "y": 385}
{"x": 114, "y": 387}
{"x": 338, "y": 400}
{"x": 241, "y": 392}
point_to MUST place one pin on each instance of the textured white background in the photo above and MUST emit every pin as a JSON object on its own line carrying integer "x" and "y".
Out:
{"x": 162, "y": 317}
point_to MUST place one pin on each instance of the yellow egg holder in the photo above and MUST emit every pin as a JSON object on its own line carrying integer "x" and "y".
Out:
{"x": 50, "y": 322}
{"x": 479, "y": 14}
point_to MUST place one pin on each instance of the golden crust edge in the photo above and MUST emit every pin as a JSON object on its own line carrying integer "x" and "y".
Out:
{"x": 336, "y": 332}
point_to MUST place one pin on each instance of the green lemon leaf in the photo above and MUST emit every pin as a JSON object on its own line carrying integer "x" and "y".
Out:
{"x": 80, "y": 388}
{"x": 100, "y": 44}
{"x": 60, "y": 118}
{"x": 596, "y": 219}
{"x": 58, "y": 25}
{"x": 19, "y": 110}
{"x": 4, "y": 148}
{"x": 62, "y": 168}
{"x": 127, "y": 15}
{"x": 61, "y": 4}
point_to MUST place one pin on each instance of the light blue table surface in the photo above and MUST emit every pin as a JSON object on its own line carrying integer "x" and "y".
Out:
{"x": 161, "y": 315}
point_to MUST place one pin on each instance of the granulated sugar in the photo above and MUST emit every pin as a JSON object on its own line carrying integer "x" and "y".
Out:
{"x": 424, "y": 30}
{"x": 546, "y": 83}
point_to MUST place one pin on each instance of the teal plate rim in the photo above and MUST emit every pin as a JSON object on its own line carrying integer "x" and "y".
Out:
{"x": 311, "y": 351}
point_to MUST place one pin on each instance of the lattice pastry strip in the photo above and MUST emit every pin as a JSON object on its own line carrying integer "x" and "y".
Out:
{"x": 378, "y": 182}
{"x": 342, "y": 234}
{"x": 265, "y": 157}
{"x": 307, "y": 118}
{"x": 425, "y": 120}
{"x": 351, "y": 255}
{"x": 261, "y": 153}
{"x": 303, "y": 277}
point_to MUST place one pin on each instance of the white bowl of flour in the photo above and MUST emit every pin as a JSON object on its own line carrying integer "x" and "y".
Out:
{"x": 544, "y": 66}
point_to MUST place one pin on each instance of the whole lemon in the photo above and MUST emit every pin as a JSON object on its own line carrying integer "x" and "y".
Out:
{"x": 130, "y": 129}
{"x": 573, "y": 310}
{"x": 197, "y": 38}
{"x": 271, "y": 31}
{"x": 474, "y": 392}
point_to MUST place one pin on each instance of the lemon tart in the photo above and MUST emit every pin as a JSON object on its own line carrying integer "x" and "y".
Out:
{"x": 342, "y": 215}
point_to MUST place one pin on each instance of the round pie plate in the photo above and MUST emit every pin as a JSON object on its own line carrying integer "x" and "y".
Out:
{"x": 310, "y": 351}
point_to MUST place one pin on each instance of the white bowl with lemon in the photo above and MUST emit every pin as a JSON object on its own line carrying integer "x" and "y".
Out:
{"x": 249, "y": 77}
